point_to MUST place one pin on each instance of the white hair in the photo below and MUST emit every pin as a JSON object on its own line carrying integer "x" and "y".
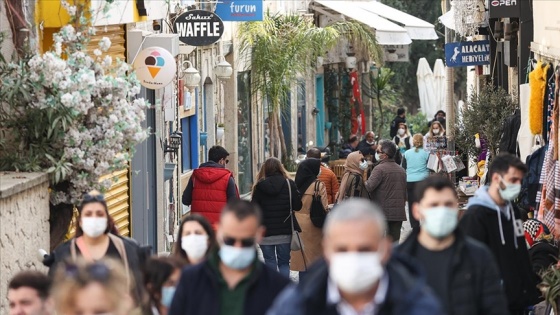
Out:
{"x": 356, "y": 209}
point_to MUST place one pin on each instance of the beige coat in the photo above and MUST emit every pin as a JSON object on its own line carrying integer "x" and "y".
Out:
{"x": 311, "y": 235}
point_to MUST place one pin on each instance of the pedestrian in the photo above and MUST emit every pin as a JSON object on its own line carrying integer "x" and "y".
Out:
{"x": 161, "y": 276}
{"x": 99, "y": 287}
{"x": 368, "y": 145}
{"x": 350, "y": 146}
{"x": 211, "y": 186}
{"x": 492, "y": 219}
{"x": 460, "y": 270}
{"x": 400, "y": 118}
{"x": 352, "y": 183}
{"x": 195, "y": 239}
{"x": 415, "y": 163}
{"x": 233, "y": 280}
{"x": 326, "y": 176}
{"x": 28, "y": 294}
{"x": 359, "y": 274}
{"x": 435, "y": 138}
{"x": 272, "y": 193}
{"x": 93, "y": 241}
{"x": 311, "y": 235}
{"x": 387, "y": 187}
{"x": 403, "y": 138}
{"x": 439, "y": 116}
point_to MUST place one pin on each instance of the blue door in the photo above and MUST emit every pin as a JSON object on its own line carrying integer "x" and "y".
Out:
{"x": 320, "y": 118}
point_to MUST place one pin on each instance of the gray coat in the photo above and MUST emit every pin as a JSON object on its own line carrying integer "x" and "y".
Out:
{"x": 387, "y": 187}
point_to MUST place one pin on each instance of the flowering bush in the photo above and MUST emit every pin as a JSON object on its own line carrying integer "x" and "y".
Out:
{"x": 70, "y": 114}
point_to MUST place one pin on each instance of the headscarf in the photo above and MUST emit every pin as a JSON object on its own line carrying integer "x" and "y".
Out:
{"x": 352, "y": 166}
{"x": 307, "y": 174}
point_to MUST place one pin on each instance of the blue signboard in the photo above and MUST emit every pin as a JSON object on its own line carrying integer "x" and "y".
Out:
{"x": 462, "y": 54}
{"x": 245, "y": 10}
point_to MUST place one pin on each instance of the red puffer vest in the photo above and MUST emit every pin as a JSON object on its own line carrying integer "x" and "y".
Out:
{"x": 209, "y": 194}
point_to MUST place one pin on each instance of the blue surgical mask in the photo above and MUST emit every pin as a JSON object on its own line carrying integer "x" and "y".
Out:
{"x": 510, "y": 192}
{"x": 439, "y": 222}
{"x": 167, "y": 294}
{"x": 237, "y": 257}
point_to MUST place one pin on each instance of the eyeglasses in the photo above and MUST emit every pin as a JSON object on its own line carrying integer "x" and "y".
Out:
{"x": 95, "y": 271}
{"x": 88, "y": 198}
{"x": 245, "y": 242}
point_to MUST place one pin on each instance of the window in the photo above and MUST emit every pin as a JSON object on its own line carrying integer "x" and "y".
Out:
{"x": 186, "y": 147}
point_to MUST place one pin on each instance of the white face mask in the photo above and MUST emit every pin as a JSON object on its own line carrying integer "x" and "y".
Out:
{"x": 355, "y": 272}
{"x": 435, "y": 131}
{"x": 401, "y": 132}
{"x": 195, "y": 245}
{"x": 94, "y": 227}
{"x": 510, "y": 192}
{"x": 364, "y": 165}
{"x": 439, "y": 222}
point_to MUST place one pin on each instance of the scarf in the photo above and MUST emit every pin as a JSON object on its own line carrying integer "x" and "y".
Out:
{"x": 352, "y": 166}
{"x": 307, "y": 174}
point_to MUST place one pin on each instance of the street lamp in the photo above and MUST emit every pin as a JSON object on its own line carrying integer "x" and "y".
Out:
{"x": 223, "y": 69}
{"x": 174, "y": 142}
{"x": 191, "y": 75}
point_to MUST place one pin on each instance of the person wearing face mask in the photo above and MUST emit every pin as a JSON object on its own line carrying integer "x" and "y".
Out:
{"x": 352, "y": 183}
{"x": 435, "y": 138}
{"x": 195, "y": 239}
{"x": 387, "y": 187}
{"x": 94, "y": 241}
{"x": 368, "y": 145}
{"x": 359, "y": 274}
{"x": 161, "y": 275}
{"x": 461, "y": 271}
{"x": 232, "y": 280}
{"x": 492, "y": 219}
{"x": 402, "y": 139}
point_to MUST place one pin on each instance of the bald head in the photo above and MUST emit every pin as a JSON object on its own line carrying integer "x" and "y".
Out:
{"x": 356, "y": 210}
{"x": 314, "y": 153}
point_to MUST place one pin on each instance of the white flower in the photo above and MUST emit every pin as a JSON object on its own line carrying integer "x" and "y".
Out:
{"x": 67, "y": 99}
{"x": 107, "y": 61}
{"x": 97, "y": 52}
{"x": 105, "y": 44}
{"x": 58, "y": 48}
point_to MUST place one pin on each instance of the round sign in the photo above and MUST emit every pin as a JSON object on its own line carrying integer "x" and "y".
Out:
{"x": 155, "y": 67}
{"x": 198, "y": 27}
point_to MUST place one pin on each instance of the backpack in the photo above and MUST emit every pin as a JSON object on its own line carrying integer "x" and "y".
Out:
{"x": 317, "y": 211}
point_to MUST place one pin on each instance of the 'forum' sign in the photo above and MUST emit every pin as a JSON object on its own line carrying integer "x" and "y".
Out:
{"x": 199, "y": 27}
{"x": 244, "y": 10}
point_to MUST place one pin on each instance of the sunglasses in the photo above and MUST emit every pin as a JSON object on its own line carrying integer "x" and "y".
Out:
{"x": 245, "y": 242}
{"x": 96, "y": 271}
{"x": 88, "y": 198}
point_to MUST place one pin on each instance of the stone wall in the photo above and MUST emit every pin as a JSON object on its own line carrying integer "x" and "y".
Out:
{"x": 24, "y": 225}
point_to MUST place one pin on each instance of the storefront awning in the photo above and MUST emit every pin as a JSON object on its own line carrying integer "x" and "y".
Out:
{"x": 383, "y": 19}
{"x": 417, "y": 28}
{"x": 386, "y": 32}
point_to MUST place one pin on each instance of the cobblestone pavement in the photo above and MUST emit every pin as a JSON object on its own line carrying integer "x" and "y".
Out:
{"x": 405, "y": 231}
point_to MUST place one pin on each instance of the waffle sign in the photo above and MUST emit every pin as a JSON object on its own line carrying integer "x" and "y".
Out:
{"x": 198, "y": 27}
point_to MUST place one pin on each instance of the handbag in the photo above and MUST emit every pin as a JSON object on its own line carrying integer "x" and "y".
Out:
{"x": 317, "y": 211}
{"x": 296, "y": 243}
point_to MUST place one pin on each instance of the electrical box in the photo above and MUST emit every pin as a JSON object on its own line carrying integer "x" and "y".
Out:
{"x": 169, "y": 42}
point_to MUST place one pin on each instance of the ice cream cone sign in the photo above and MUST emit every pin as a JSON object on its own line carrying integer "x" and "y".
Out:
{"x": 155, "y": 67}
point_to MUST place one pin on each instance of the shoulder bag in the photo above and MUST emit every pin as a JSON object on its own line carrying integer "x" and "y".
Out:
{"x": 296, "y": 243}
{"x": 317, "y": 212}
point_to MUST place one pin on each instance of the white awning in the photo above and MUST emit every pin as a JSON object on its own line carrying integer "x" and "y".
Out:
{"x": 417, "y": 28}
{"x": 386, "y": 32}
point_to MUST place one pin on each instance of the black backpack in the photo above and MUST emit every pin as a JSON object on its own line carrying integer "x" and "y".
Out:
{"x": 317, "y": 212}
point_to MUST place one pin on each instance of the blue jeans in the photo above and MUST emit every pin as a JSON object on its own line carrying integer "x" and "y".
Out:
{"x": 277, "y": 257}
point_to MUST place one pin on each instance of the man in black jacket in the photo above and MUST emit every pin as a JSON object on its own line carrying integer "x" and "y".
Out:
{"x": 460, "y": 270}
{"x": 492, "y": 219}
{"x": 233, "y": 280}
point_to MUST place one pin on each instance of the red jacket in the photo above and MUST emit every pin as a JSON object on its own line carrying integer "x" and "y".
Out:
{"x": 209, "y": 192}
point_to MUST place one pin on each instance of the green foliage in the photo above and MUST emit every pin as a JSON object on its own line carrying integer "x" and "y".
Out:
{"x": 550, "y": 286}
{"x": 385, "y": 97}
{"x": 417, "y": 123}
{"x": 484, "y": 114}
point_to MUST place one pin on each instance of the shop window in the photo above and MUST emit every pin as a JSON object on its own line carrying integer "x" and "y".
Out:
{"x": 186, "y": 163}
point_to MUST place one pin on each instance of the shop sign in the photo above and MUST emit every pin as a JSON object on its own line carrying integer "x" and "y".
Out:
{"x": 155, "y": 67}
{"x": 396, "y": 53}
{"x": 462, "y": 54}
{"x": 247, "y": 10}
{"x": 199, "y": 27}
{"x": 504, "y": 8}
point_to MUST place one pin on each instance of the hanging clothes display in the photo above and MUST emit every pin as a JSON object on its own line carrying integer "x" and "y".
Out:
{"x": 537, "y": 82}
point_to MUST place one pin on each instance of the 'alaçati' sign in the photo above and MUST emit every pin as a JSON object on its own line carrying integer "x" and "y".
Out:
{"x": 240, "y": 10}
{"x": 462, "y": 54}
{"x": 155, "y": 67}
{"x": 199, "y": 27}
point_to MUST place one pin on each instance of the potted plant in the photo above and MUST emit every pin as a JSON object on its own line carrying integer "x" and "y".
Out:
{"x": 550, "y": 286}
